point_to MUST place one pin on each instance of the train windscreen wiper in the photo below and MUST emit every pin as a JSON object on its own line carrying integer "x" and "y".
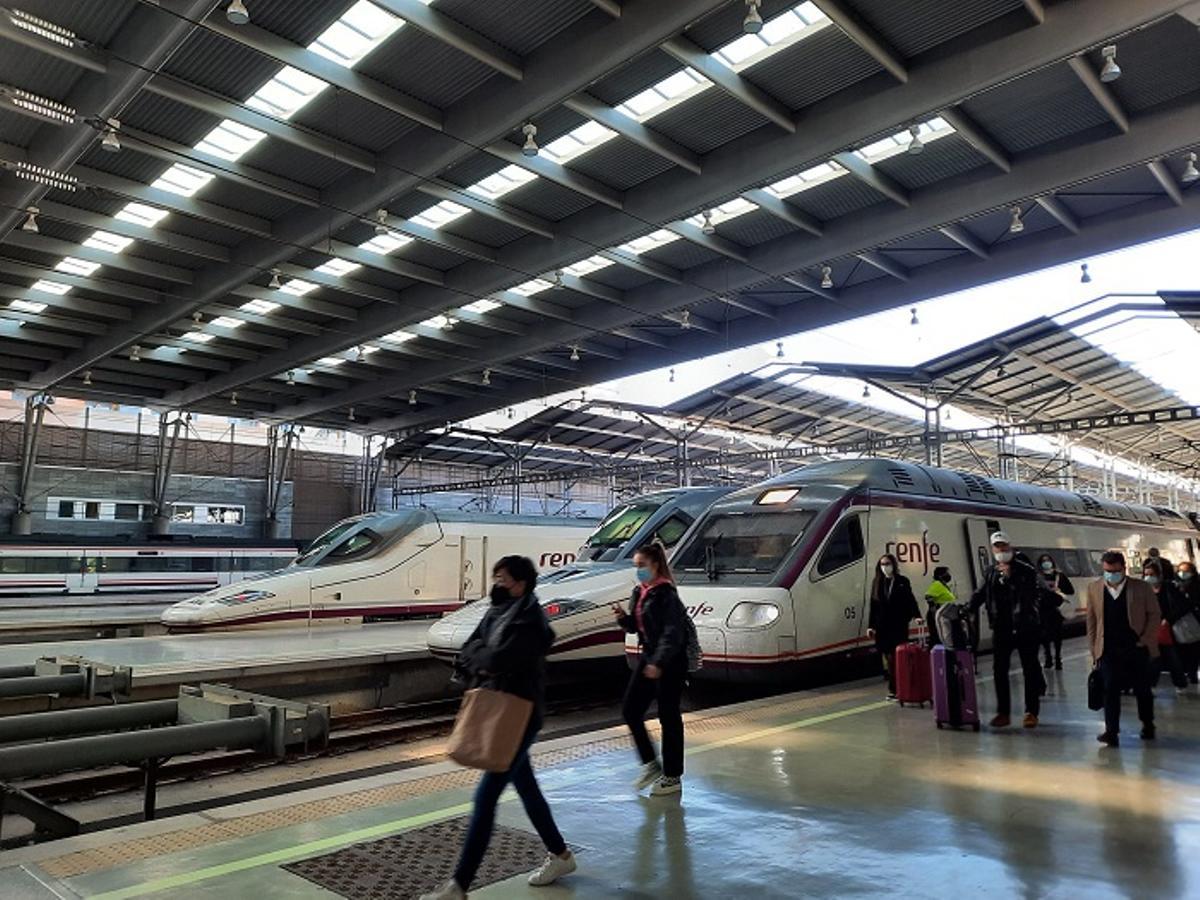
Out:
{"x": 711, "y": 569}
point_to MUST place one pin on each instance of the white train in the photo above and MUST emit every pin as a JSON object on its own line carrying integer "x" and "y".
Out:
{"x": 577, "y": 597}
{"x": 383, "y": 566}
{"x": 73, "y": 565}
{"x": 778, "y": 576}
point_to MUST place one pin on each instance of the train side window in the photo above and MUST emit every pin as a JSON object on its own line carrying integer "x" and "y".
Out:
{"x": 670, "y": 531}
{"x": 66, "y": 509}
{"x": 91, "y": 509}
{"x": 126, "y": 512}
{"x": 12, "y": 565}
{"x": 844, "y": 547}
{"x": 203, "y": 564}
{"x": 182, "y": 513}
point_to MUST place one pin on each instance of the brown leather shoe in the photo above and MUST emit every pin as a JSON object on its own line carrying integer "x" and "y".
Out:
{"x": 1000, "y": 721}
{"x": 1030, "y": 720}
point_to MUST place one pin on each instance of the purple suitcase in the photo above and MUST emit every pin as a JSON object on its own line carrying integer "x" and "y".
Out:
{"x": 954, "y": 701}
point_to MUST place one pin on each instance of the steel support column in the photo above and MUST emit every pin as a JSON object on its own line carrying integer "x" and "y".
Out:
{"x": 164, "y": 457}
{"x": 31, "y": 435}
{"x": 281, "y": 440}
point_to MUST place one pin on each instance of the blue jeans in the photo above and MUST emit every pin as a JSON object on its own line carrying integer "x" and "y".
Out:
{"x": 483, "y": 815}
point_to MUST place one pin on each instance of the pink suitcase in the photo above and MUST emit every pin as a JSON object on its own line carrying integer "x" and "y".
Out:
{"x": 954, "y": 701}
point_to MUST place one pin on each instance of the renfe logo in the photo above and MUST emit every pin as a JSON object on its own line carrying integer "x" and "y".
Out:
{"x": 700, "y": 609}
{"x": 923, "y": 552}
{"x": 555, "y": 560}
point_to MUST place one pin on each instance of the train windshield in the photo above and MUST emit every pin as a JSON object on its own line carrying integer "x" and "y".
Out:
{"x": 616, "y": 529}
{"x": 356, "y": 538}
{"x": 742, "y": 543}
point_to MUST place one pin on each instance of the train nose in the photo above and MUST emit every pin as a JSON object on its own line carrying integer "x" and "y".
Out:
{"x": 181, "y": 614}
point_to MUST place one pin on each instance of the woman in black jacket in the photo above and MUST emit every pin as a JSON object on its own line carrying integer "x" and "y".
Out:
{"x": 893, "y": 606}
{"x": 656, "y": 617}
{"x": 1056, "y": 586}
{"x": 1173, "y": 605}
{"x": 507, "y": 652}
{"x": 1189, "y": 587}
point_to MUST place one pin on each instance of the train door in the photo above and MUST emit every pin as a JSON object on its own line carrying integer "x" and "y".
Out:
{"x": 473, "y": 569}
{"x": 87, "y": 577}
{"x": 831, "y": 615}
{"x": 978, "y": 551}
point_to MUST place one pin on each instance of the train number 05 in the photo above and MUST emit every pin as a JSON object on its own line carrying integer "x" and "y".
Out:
{"x": 850, "y": 612}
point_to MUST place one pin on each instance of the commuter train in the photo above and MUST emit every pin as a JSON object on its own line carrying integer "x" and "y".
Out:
{"x": 383, "y": 566}
{"x": 778, "y": 576}
{"x": 74, "y": 565}
{"x": 576, "y": 597}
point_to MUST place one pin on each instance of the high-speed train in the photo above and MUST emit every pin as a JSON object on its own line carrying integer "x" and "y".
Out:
{"x": 381, "y": 566}
{"x": 576, "y": 597}
{"x": 74, "y": 565}
{"x": 778, "y": 576}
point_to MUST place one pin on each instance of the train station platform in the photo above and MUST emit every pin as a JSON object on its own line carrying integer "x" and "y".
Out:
{"x": 77, "y": 617}
{"x": 830, "y": 792}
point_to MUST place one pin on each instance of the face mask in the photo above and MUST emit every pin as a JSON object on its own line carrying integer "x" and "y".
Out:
{"x": 1003, "y": 556}
{"x": 1185, "y": 575}
{"x": 887, "y": 571}
{"x": 500, "y": 594}
{"x": 644, "y": 574}
{"x": 945, "y": 580}
{"x": 1047, "y": 567}
{"x": 1151, "y": 580}
{"x": 1114, "y": 577}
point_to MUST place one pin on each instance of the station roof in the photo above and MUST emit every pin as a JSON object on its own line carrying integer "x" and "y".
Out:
{"x": 325, "y": 215}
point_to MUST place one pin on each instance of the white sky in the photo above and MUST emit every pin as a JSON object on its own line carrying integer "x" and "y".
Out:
{"x": 1165, "y": 349}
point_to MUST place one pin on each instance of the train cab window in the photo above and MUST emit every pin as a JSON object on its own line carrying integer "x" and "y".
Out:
{"x": 126, "y": 512}
{"x": 66, "y": 509}
{"x": 670, "y": 531}
{"x": 737, "y": 543}
{"x": 844, "y": 547}
{"x": 357, "y": 545}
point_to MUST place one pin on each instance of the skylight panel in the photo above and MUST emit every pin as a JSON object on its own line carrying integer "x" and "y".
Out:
{"x": 649, "y": 242}
{"x": 288, "y": 91}
{"x": 384, "y": 244}
{"x": 726, "y": 211}
{"x": 230, "y": 140}
{"x": 895, "y": 144}
{"x": 227, "y": 322}
{"x": 482, "y": 305}
{"x": 578, "y": 141}
{"x": 181, "y": 179}
{"x": 338, "y": 267}
{"x": 398, "y": 337}
{"x": 298, "y": 287}
{"x": 29, "y": 306}
{"x": 507, "y": 179}
{"x": 331, "y": 361}
{"x": 51, "y": 287}
{"x": 440, "y": 322}
{"x": 107, "y": 241}
{"x": 802, "y": 181}
{"x": 533, "y": 286}
{"x": 141, "y": 214}
{"x": 361, "y": 29}
{"x": 589, "y": 265}
{"x": 782, "y": 31}
{"x": 197, "y": 337}
{"x": 658, "y": 98}
{"x": 441, "y": 214}
{"x": 74, "y": 266}
{"x": 260, "y": 307}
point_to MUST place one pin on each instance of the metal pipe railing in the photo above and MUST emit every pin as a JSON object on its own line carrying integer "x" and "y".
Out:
{"x": 72, "y": 684}
{"x": 17, "y": 671}
{"x": 58, "y": 723}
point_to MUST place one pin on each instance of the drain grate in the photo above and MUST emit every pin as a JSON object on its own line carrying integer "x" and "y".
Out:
{"x": 410, "y": 864}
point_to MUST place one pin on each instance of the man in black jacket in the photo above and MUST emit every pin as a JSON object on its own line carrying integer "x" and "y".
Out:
{"x": 1011, "y": 595}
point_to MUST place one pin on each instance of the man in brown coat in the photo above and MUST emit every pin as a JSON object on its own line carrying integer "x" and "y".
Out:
{"x": 1122, "y": 628}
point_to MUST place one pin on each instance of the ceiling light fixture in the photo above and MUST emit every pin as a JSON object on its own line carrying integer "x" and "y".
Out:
{"x": 558, "y": 278}
{"x": 30, "y": 224}
{"x": 826, "y": 277}
{"x": 1016, "y": 226}
{"x": 110, "y": 142}
{"x": 530, "y": 147}
{"x": 87, "y": 378}
{"x": 37, "y": 106}
{"x": 779, "y": 349}
{"x": 685, "y": 320}
{"x": 1001, "y": 372}
{"x": 360, "y": 355}
{"x": 412, "y": 398}
{"x": 672, "y": 378}
{"x": 275, "y": 284}
{"x": 512, "y": 413}
{"x": 574, "y": 353}
{"x": 753, "y": 22}
{"x": 42, "y": 28}
{"x": 914, "y": 145}
{"x": 233, "y": 399}
{"x": 135, "y": 353}
{"x": 48, "y": 177}
{"x": 196, "y": 321}
{"x": 487, "y": 377}
{"x": 291, "y": 377}
{"x": 708, "y": 227}
{"x": 1085, "y": 277}
{"x": 866, "y": 391}
{"x": 914, "y": 320}
{"x": 1110, "y": 71}
{"x": 350, "y": 415}
{"x": 237, "y": 13}
{"x": 1190, "y": 173}
{"x": 381, "y": 217}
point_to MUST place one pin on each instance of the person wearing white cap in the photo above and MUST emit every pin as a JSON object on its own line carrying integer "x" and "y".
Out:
{"x": 1011, "y": 595}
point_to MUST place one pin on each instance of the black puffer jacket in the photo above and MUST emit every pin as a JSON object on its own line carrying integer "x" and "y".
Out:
{"x": 662, "y": 637}
{"x": 513, "y": 661}
{"x": 1013, "y": 603}
{"x": 1173, "y": 603}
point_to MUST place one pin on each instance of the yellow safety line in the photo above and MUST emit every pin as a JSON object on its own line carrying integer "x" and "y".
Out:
{"x": 353, "y": 837}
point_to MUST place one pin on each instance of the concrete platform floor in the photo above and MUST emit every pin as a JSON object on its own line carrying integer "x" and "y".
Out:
{"x": 821, "y": 793}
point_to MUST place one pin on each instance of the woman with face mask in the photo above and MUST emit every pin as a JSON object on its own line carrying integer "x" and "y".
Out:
{"x": 1189, "y": 586}
{"x": 1173, "y": 606}
{"x": 1057, "y": 587}
{"x": 893, "y": 607}
{"x": 656, "y": 617}
{"x": 507, "y": 652}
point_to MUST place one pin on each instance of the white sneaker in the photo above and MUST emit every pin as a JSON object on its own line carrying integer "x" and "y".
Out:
{"x": 448, "y": 891}
{"x": 553, "y": 867}
{"x": 666, "y": 785}
{"x": 649, "y": 774}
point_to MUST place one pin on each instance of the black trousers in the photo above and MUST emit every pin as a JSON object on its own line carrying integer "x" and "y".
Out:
{"x": 1122, "y": 670}
{"x": 1052, "y": 633}
{"x": 667, "y": 689}
{"x": 1171, "y": 660}
{"x": 1189, "y": 655}
{"x": 1026, "y": 645}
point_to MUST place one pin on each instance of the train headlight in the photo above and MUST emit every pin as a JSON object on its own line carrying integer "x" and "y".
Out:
{"x": 749, "y": 614}
{"x": 556, "y": 609}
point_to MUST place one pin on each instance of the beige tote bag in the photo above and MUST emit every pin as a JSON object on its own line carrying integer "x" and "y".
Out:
{"x": 488, "y": 729}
